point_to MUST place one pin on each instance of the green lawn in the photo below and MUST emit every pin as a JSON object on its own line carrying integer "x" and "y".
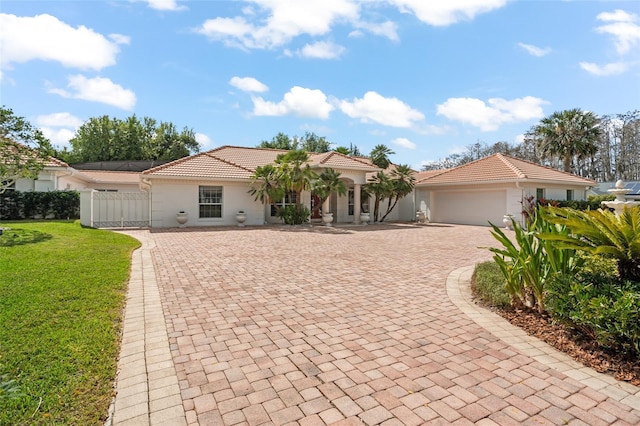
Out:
{"x": 62, "y": 291}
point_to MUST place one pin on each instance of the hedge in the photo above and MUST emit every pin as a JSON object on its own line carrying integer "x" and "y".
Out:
{"x": 18, "y": 205}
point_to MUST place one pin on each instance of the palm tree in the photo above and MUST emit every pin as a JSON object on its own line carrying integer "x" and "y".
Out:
{"x": 381, "y": 186}
{"x": 380, "y": 156}
{"x": 295, "y": 173}
{"x": 402, "y": 183}
{"x": 328, "y": 182}
{"x": 266, "y": 186}
{"x": 568, "y": 134}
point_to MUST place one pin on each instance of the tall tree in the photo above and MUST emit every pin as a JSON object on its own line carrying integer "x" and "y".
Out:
{"x": 311, "y": 142}
{"x": 111, "y": 139}
{"x": 352, "y": 151}
{"x": 23, "y": 149}
{"x": 279, "y": 141}
{"x": 567, "y": 135}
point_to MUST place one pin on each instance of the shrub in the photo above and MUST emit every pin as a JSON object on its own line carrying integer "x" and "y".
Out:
{"x": 294, "y": 214}
{"x": 602, "y": 306}
{"x": 17, "y": 205}
{"x": 602, "y": 233}
{"x": 488, "y": 284}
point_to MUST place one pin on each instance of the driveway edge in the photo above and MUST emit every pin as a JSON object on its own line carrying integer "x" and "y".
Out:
{"x": 459, "y": 291}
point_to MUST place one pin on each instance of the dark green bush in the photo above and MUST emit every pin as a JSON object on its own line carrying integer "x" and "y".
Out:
{"x": 602, "y": 306}
{"x": 294, "y": 215}
{"x": 17, "y": 205}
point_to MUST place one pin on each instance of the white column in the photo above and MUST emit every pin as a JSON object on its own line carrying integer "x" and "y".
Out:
{"x": 326, "y": 205}
{"x": 356, "y": 203}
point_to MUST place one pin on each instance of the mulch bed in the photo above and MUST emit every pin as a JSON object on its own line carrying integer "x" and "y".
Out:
{"x": 575, "y": 344}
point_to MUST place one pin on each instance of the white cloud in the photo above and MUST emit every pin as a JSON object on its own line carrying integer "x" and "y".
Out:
{"x": 299, "y": 101}
{"x": 284, "y": 21}
{"x": 205, "y": 141}
{"x": 97, "y": 89}
{"x": 614, "y": 68}
{"x": 58, "y": 137}
{"x": 59, "y": 127}
{"x": 170, "y": 5}
{"x": 373, "y": 107}
{"x": 625, "y": 32}
{"x": 120, "y": 38}
{"x": 535, "y": 50}
{"x": 248, "y": 84}
{"x": 44, "y": 37}
{"x": 404, "y": 143}
{"x": 491, "y": 115}
{"x": 59, "y": 119}
{"x": 386, "y": 29}
{"x": 442, "y": 13}
{"x": 322, "y": 50}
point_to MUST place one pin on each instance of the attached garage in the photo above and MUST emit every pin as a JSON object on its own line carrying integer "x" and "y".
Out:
{"x": 468, "y": 207}
{"x": 487, "y": 189}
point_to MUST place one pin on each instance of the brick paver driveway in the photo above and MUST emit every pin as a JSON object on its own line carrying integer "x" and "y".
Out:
{"x": 277, "y": 325}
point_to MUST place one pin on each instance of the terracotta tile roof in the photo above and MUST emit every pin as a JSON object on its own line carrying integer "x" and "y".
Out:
{"x": 104, "y": 176}
{"x": 11, "y": 146}
{"x": 232, "y": 162}
{"x": 496, "y": 168}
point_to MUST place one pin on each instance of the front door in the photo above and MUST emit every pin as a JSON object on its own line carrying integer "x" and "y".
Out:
{"x": 315, "y": 207}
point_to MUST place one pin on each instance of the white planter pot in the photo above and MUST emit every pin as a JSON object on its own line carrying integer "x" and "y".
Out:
{"x": 327, "y": 218}
{"x": 182, "y": 219}
{"x": 365, "y": 218}
{"x": 506, "y": 219}
{"x": 241, "y": 218}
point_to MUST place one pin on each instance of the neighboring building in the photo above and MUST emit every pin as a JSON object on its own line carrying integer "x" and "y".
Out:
{"x": 485, "y": 190}
{"x": 603, "y": 189}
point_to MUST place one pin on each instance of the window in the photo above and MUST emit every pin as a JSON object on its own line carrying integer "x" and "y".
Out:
{"x": 351, "y": 202}
{"x": 289, "y": 199}
{"x": 540, "y": 193}
{"x": 569, "y": 194}
{"x": 210, "y": 201}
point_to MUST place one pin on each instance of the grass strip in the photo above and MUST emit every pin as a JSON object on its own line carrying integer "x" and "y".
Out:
{"x": 62, "y": 292}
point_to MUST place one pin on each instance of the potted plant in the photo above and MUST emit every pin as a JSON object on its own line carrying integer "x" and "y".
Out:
{"x": 182, "y": 217}
{"x": 241, "y": 217}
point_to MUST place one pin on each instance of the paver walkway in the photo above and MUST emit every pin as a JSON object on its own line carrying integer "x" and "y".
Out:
{"x": 348, "y": 326}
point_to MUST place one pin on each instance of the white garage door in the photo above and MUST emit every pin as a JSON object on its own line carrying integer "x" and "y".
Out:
{"x": 469, "y": 208}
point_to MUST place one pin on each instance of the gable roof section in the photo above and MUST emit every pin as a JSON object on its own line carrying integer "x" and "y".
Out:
{"x": 232, "y": 162}
{"x": 499, "y": 168}
{"x": 9, "y": 148}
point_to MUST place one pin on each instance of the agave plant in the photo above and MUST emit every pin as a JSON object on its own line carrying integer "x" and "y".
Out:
{"x": 600, "y": 232}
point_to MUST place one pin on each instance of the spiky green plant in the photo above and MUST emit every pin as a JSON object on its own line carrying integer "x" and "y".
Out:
{"x": 600, "y": 232}
{"x": 530, "y": 262}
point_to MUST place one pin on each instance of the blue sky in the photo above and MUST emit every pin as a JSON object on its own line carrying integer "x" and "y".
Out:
{"x": 425, "y": 78}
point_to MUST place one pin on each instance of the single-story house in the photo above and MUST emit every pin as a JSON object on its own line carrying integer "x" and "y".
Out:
{"x": 211, "y": 187}
{"x": 487, "y": 189}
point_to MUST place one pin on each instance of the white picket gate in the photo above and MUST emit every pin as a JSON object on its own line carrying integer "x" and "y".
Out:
{"x": 101, "y": 209}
